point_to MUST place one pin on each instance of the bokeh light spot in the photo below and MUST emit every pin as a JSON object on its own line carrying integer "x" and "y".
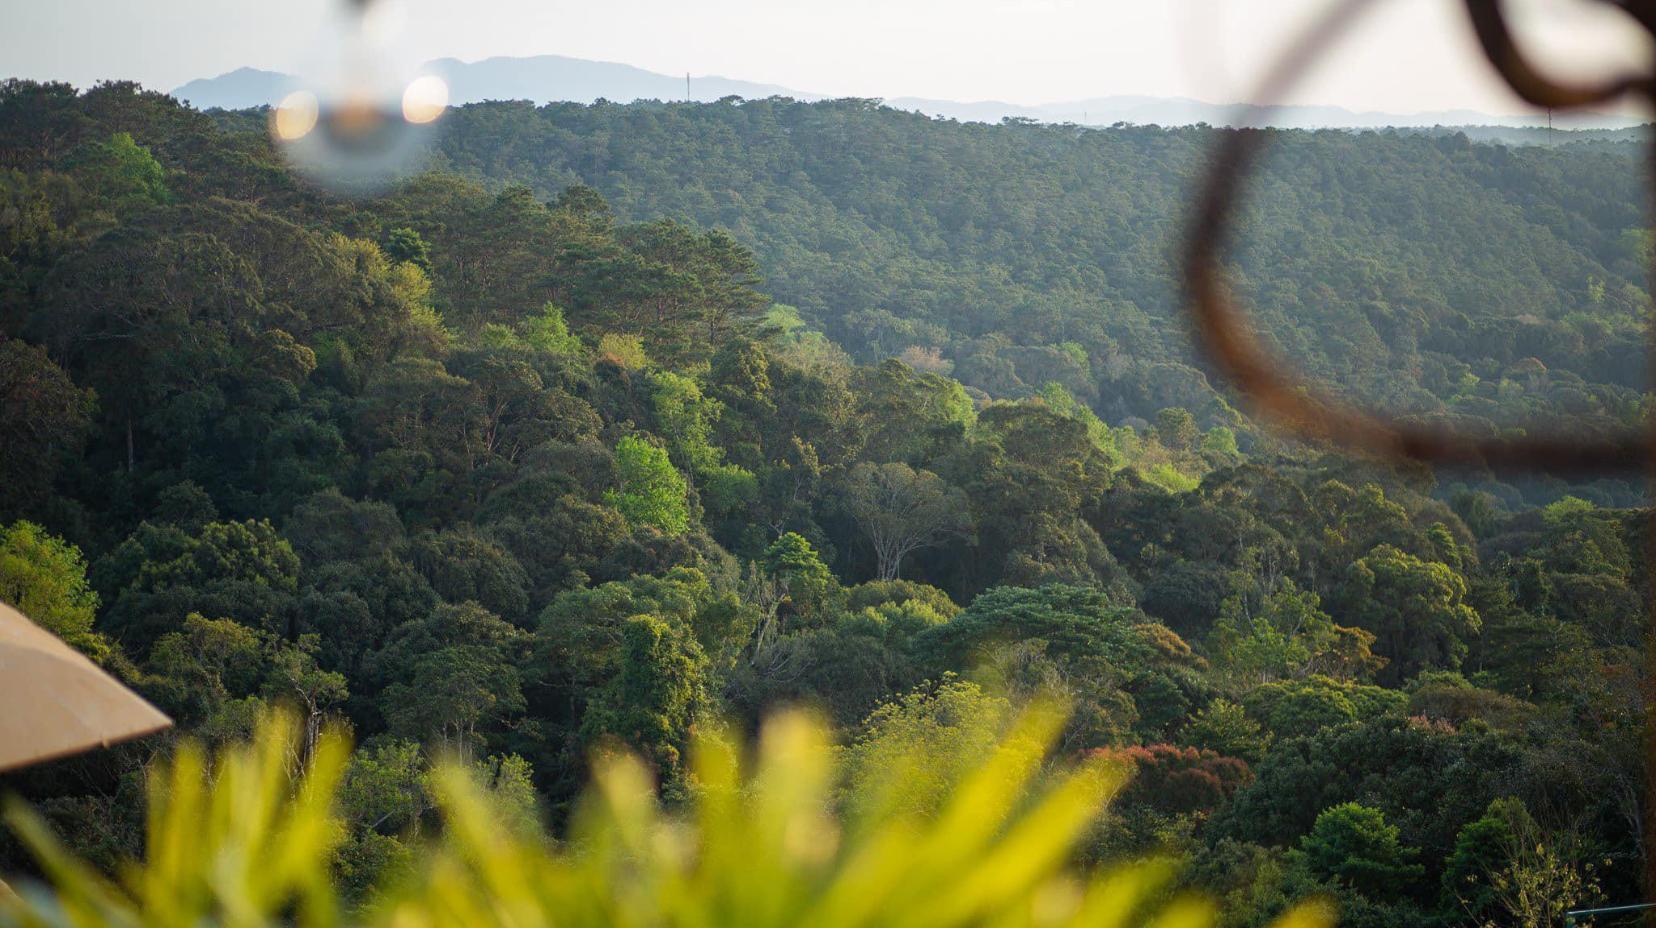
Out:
{"x": 425, "y": 99}
{"x": 296, "y": 115}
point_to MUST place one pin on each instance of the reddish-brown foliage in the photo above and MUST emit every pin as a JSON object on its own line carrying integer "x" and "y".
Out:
{"x": 1179, "y": 779}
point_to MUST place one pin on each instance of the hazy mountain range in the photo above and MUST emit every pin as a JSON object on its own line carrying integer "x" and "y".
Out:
{"x": 548, "y": 78}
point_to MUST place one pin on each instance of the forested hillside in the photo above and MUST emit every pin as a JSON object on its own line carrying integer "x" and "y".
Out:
{"x": 510, "y": 473}
{"x": 1489, "y": 285}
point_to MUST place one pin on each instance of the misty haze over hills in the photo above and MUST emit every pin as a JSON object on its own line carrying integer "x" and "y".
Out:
{"x": 548, "y": 78}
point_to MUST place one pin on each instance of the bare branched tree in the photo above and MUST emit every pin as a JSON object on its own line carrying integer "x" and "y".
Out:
{"x": 901, "y": 510}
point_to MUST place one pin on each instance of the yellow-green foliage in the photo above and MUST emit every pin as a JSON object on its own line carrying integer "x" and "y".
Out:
{"x": 624, "y": 350}
{"x": 249, "y": 844}
{"x": 1170, "y": 478}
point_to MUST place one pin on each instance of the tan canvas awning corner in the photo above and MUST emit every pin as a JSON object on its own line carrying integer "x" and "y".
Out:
{"x": 55, "y": 702}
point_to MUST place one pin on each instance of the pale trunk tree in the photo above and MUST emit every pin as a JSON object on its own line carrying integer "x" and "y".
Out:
{"x": 901, "y": 510}
{"x": 766, "y": 592}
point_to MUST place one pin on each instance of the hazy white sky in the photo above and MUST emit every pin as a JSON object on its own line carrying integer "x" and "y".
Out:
{"x": 1411, "y": 55}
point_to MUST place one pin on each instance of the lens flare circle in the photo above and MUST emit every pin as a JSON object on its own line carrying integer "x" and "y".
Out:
{"x": 360, "y": 115}
{"x": 296, "y": 115}
{"x": 425, "y": 99}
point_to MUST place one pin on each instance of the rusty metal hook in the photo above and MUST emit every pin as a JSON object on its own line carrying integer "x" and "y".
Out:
{"x": 1528, "y": 82}
{"x": 1309, "y": 410}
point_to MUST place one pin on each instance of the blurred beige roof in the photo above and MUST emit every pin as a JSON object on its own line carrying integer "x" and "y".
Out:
{"x": 55, "y": 702}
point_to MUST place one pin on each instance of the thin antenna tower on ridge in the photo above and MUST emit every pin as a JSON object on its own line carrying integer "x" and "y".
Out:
{"x": 687, "y": 97}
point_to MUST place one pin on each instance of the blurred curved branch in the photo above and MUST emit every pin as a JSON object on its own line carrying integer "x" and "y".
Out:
{"x": 1270, "y": 383}
{"x": 1528, "y": 82}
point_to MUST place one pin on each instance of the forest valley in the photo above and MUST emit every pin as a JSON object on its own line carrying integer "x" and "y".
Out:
{"x": 621, "y": 421}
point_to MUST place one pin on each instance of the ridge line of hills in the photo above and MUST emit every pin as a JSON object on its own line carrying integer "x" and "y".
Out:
{"x": 557, "y": 78}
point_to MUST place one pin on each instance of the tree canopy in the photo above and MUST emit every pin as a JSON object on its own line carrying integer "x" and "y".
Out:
{"x": 509, "y": 465}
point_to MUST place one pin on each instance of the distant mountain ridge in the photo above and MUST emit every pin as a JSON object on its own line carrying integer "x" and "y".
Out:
{"x": 541, "y": 79}
{"x": 552, "y": 78}
{"x": 235, "y": 90}
{"x": 1183, "y": 111}
{"x": 548, "y": 78}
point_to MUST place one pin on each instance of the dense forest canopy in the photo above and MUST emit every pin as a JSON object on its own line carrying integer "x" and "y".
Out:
{"x": 507, "y": 471}
{"x": 1487, "y": 285}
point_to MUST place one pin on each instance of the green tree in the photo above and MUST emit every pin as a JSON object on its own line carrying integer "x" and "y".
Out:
{"x": 448, "y": 698}
{"x": 463, "y": 564}
{"x": 161, "y": 321}
{"x": 44, "y": 419}
{"x": 507, "y": 780}
{"x": 293, "y": 677}
{"x": 355, "y": 606}
{"x": 1481, "y": 849}
{"x": 805, "y": 579}
{"x": 216, "y": 674}
{"x": 1427, "y": 779}
{"x": 1354, "y": 844}
{"x": 45, "y": 579}
{"x": 687, "y": 419}
{"x": 444, "y": 626}
{"x": 578, "y": 646}
{"x": 205, "y": 665}
{"x": 1288, "y": 635}
{"x": 120, "y": 172}
{"x": 901, "y": 510}
{"x": 240, "y": 570}
{"x": 1176, "y": 428}
{"x": 1507, "y": 870}
{"x": 1415, "y": 608}
{"x": 383, "y": 799}
{"x": 1219, "y": 446}
{"x": 1584, "y": 539}
{"x": 652, "y": 491}
{"x": 911, "y": 751}
{"x": 653, "y": 703}
{"x": 913, "y": 414}
{"x": 547, "y": 331}
{"x": 1029, "y": 473}
{"x": 1123, "y": 674}
{"x": 1306, "y": 706}
{"x": 384, "y": 788}
{"x": 328, "y": 526}
{"x": 1257, "y": 650}
{"x": 406, "y": 245}
{"x": 1225, "y": 727}
{"x": 1077, "y": 623}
